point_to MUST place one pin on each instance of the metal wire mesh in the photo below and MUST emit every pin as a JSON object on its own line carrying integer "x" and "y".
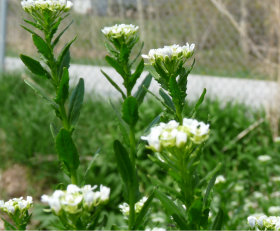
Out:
{"x": 238, "y": 38}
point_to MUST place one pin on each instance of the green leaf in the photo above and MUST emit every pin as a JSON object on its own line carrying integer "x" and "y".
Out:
{"x": 123, "y": 126}
{"x": 152, "y": 71}
{"x": 42, "y": 47}
{"x": 113, "y": 84}
{"x": 61, "y": 33}
{"x": 210, "y": 175}
{"x": 209, "y": 187}
{"x": 63, "y": 59}
{"x": 167, "y": 100}
{"x": 76, "y": 102}
{"x": 29, "y": 30}
{"x": 130, "y": 111}
{"x": 111, "y": 50}
{"x": 199, "y": 102}
{"x": 183, "y": 79}
{"x": 136, "y": 74}
{"x": 158, "y": 99}
{"x": 34, "y": 66}
{"x": 63, "y": 88}
{"x": 90, "y": 165}
{"x": 54, "y": 28}
{"x": 172, "y": 210}
{"x": 175, "y": 92}
{"x": 66, "y": 150}
{"x": 54, "y": 130}
{"x": 7, "y": 225}
{"x": 36, "y": 25}
{"x": 40, "y": 92}
{"x": 123, "y": 164}
{"x": 218, "y": 222}
{"x": 115, "y": 64}
{"x": 143, "y": 213}
{"x": 155, "y": 121}
{"x": 141, "y": 92}
{"x": 138, "y": 55}
{"x": 195, "y": 213}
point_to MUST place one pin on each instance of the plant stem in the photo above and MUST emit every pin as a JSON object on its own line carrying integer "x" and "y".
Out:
{"x": 131, "y": 209}
{"x": 74, "y": 178}
{"x": 131, "y": 190}
{"x": 132, "y": 145}
{"x": 179, "y": 115}
{"x": 64, "y": 118}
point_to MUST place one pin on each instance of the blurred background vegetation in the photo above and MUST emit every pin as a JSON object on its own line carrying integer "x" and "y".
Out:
{"x": 234, "y": 38}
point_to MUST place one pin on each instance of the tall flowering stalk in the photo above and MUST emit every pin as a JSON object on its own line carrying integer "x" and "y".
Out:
{"x": 177, "y": 144}
{"x": 120, "y": 41}
{"x": 46, "y": 19}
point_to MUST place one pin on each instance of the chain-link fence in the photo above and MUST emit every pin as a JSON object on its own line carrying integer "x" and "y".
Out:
{"x": 239, "y": 38}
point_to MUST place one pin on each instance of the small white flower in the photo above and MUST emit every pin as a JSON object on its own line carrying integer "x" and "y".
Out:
{"x": 199, "y": 131}
{"x": 277, "y": 139}
{"x": 276, "y": 178}
{"x": 71, "y": 188}
{"x": 238, "y": 188}
{"x": 124, "y": 208}
{"x": 170, "y": 52}
{"x": 274, "y": 209}
{"x": 172, "y": 134}
{"x": 277, "y": 226}
{"x": 16, "y": 204}
{"x": 252, "y": 221}
{"x": 264, "y": 158}
{"x": 220, "y": 179}
{"x": 258, "y": 195}
{"x": 121, "y": 31}
{"x": 41, "y": 5}
{"x": 153, "y": 138}
{"x": 260, "y": 220}
{"x": 155, "y": 229}
{"x": 105, "y": 193}
{"x": 54, "y": 200}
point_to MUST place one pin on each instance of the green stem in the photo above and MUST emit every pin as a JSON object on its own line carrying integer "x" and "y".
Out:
{"x": 64, "y": 118}
{"x": 179, "y": 115}
{"x": 131, "y": 218}
{"x": 132, "y": 145}
{"x": 131, "y": 190}
{"x": 74, "y": 178}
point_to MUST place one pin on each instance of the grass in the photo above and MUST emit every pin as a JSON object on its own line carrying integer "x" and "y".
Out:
{"x": 25, "y": 138}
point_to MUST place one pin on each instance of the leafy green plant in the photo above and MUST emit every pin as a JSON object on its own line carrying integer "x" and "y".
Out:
{"x": 121, "y": 39}
{"x": 177, "y": 144}
{"x": 47, "y": 17}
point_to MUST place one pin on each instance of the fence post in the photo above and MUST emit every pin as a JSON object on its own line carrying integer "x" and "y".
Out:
{"x": 3, "y": 11}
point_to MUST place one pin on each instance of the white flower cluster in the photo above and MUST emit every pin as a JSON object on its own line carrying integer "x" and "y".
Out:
{"x": 172, "y": 134}
{"x": 264, "y": 158}
{"x": 220, "y": 179}
{"x": 174, "y": 52}
{"x": 52, "y": 5}
{"x": 262, "y": 222}
{"x": 126, "y": 32}
{"x": 124, "y": 207}
{"x": 73, "y": 199}
{"x": 155, "y": 229}
{"x": 11, "y": 206}
{"x": 274, "y": 210}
